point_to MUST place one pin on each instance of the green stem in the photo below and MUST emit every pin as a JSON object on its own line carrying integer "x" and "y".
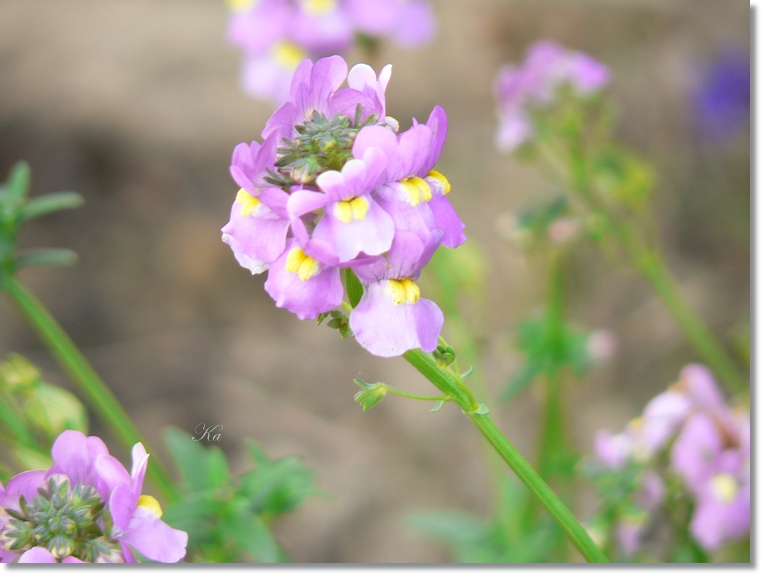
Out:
{"x": 449, "y": 384}
{"x": 90, "y": 385}
{"x": 401, "y": 393}
{"x": 651, "y": 266}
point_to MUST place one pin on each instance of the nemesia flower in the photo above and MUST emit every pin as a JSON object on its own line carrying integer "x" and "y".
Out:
{"x": 276, "y": 35}
{"x": 343, "y": 190}
{"x": 86, "y": 508}
{"x": 708, "y": 448}
{"x": 391, "y": 317}
{"x": 547, "y": 65}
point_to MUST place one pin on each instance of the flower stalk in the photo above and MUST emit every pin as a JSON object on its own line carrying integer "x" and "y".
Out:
{"x": 451, "y": 384}
{"x": 90, "y": 385}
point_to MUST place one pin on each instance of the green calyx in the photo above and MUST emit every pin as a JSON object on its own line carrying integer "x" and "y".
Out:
{"x": 65, "y": 521}
{"x": 321, "y": 144}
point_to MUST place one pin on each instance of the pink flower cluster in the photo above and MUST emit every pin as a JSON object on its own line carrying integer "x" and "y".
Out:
{"x": 95, "y": 507}
{"x": 708, "y": 446}
{"x": 276, "y": 35}
{"x": 546, "y": 67}
{"x": 346, "y": 190}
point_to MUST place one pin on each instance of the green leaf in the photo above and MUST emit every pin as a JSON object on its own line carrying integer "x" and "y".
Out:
{"x": 192, "y": 513}
{"x": 46, "y": 257}
{"x": 438, "y": 405}
{"x": 370, "y": 395}
{"x": 50, "y": 203}
{"x": 200, "y": 467}
{"x": 18, "y": 181}
{"x": 52, "y": 410}
{"x": 451, "y": 526}
{"x": 250, "y": 533}
{"x": 354, "y": 287}
{"x": 276, "y": 486}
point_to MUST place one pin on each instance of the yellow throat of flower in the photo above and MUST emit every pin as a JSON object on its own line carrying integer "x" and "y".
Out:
{"x": 241, "y": 5}
{"x": 287, "y": 55}
{"x": 403, "y": 291}
{"x": 724, "y": 487}
{"x": 297, "y": 262}
{"x": 248, "y": 202}
{"x": 441, "y": 180}
{"x": 317, "y": 8}
{"x": 150, "y": 503}
{"x": 417, "y": 190}
{"x": 354, "y": 209}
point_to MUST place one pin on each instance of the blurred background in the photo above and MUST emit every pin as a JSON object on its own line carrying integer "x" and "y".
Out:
{"x": 136, "y": 105}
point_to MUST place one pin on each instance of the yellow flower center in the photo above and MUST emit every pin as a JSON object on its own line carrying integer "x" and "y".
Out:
{"x": 318, "y": 7}
{"x": 354, "y": 209}
{"x": 150, "y": 503}
{"x": 403, "y": 291}
{"x": 443, "y": 182}
{"x": 724, "y": 487}
{"x": 416, "y": 189}
{"x": 297, "y": 262}
{"x": 248, "y": 202}
{"x": 287, "y": 54}
{"x": 241, "y": 5}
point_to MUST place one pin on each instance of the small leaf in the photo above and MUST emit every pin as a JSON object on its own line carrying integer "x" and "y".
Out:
{"x": 466, "y": 373}
{"x": 321, "y": 317}
{"x": 201, "y": 468}
{"x": 18, "y": 181}
{"x": 354, "y": 287}
{"x": 438, "y": 405}
{"x": 250, "y": 533}
{"x": 481, "y": 409}
{"x": 46, "y": 257}
{"x": 370, "y": 395}
{"x": 50, "y": 203}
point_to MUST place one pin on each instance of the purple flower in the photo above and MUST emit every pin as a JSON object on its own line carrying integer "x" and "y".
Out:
{"x": 546, "y": 67}
{"x": 409, "y": 23}
{"x": 255, "y": 233}
{"x": 302, "y": 285}
{"x": 74, "y": 492}
{"x": 391, "y": 317}
{"x": 722, "y": 105}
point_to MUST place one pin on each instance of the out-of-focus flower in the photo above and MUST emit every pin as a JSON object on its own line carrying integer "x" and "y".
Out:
{"x": 276, "y": 35}
{"x": 722, "y": 104}
{"x": 345, "y": 190}
{"x": 547, "y": 65}
{"x": 86, "y": 508}
{"x": 706, "y": 445}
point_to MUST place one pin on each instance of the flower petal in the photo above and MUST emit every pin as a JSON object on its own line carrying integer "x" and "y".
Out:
{"x": 154, "y": 538}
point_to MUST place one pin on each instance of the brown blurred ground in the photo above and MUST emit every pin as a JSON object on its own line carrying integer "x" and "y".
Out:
{"x": 136, "y": 105}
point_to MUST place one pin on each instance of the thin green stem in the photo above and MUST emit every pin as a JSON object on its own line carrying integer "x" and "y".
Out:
{"x": 451, "y": 385}
{"x": 395, "y": 391}
{"x": 648, "y": 262}
{"x": 94, "y": 391}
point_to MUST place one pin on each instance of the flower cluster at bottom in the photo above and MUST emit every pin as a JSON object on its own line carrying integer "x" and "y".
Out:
{"x": 688, "y": 438}
{"x": 334, "y": 186}
{"x": 85, "y": 509}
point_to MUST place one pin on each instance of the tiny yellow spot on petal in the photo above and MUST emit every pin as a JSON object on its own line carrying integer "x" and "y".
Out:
{"x": 417, "y": 190}
{"x": 288, "y": 55}
{"x": 343, "y": 211}
{"x": 403, "y": 291}
{"x": 441, "y": 180}
{"x": 241, "y": 5}
{"x": 297, "y": 262}
{"x": 150, "y": 503}
{"x": 248, "y": 202}
{"x": 724, "y": 487}
{"x": 318, "y": 7}
{"x": 360, "y": 207}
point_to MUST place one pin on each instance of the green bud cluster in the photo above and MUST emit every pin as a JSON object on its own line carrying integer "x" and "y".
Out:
{"x": 320, "y": 145}
{"x": 67, "y": 522}
{"x": 339, "y": 321}
{"x": 444, "y": 355}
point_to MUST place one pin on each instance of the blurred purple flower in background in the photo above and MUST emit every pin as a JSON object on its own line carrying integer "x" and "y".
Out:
{"x": 721, "y": 106}
{"x": 547, "y": 65}
{"x": 707, "y": 444}
{"x": 276, "y": 35}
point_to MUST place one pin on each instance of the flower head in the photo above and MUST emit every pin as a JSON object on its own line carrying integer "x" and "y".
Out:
{"x": 344, "y": 190}
{"x": 547, "y": 66}
{"x": 86, "y": 508}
